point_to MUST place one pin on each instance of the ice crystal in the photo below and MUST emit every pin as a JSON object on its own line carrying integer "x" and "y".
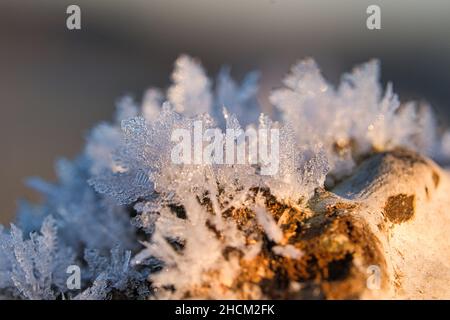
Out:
{"x": 353, "y": 119}
{"x": 190, "y": 94}
{"x": 269, "y": 225}
{"x": 112, "y": 274}
{"x": 192, "y": 253}
{"x": 202, "y": 221}
{"x": 239, "y": 100}
{"x": 84, "y": 218}
{"x": 34, "y": 268}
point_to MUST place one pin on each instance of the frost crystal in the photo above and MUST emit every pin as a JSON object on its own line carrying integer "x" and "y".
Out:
{"x": 34, "y": 268}
{"x": 206, "y": 225}
{"x": 84, "y": 218}
{"x": 354, "y": 119}
{"x": 110, "y": 275}
{"x": 239, "y": 100}
{"x": 190, "y": 94}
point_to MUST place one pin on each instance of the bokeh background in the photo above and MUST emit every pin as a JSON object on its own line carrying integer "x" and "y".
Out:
{"x": 55, "y": 84}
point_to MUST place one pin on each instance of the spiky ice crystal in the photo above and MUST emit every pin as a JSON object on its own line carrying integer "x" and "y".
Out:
{"x": 142, "y": 227}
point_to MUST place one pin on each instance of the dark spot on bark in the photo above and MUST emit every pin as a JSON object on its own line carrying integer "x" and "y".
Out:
{"x": 179, "y": 211}
{"x": 399, "y": 208}
{"x": 176, "y": 244}
{"x": 436, "y": 179}
{"x": 340, "y": 269}
{"x": 380, "y": 226}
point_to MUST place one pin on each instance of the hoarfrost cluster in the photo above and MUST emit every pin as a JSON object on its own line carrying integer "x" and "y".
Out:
{"x": 140, "y": 226}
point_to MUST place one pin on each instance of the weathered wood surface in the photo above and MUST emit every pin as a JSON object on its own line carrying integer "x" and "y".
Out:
{"x": 395, "y": 207}
{"x": 382, "y": 233}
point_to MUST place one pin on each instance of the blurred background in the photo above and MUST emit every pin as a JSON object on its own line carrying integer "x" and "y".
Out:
{"x": 55, "y": 84}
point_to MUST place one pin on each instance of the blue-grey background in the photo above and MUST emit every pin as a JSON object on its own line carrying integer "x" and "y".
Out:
{"x": 55, "y": 84}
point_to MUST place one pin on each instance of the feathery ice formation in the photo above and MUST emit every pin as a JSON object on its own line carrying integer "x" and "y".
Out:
{"x": 355, "y": 191}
